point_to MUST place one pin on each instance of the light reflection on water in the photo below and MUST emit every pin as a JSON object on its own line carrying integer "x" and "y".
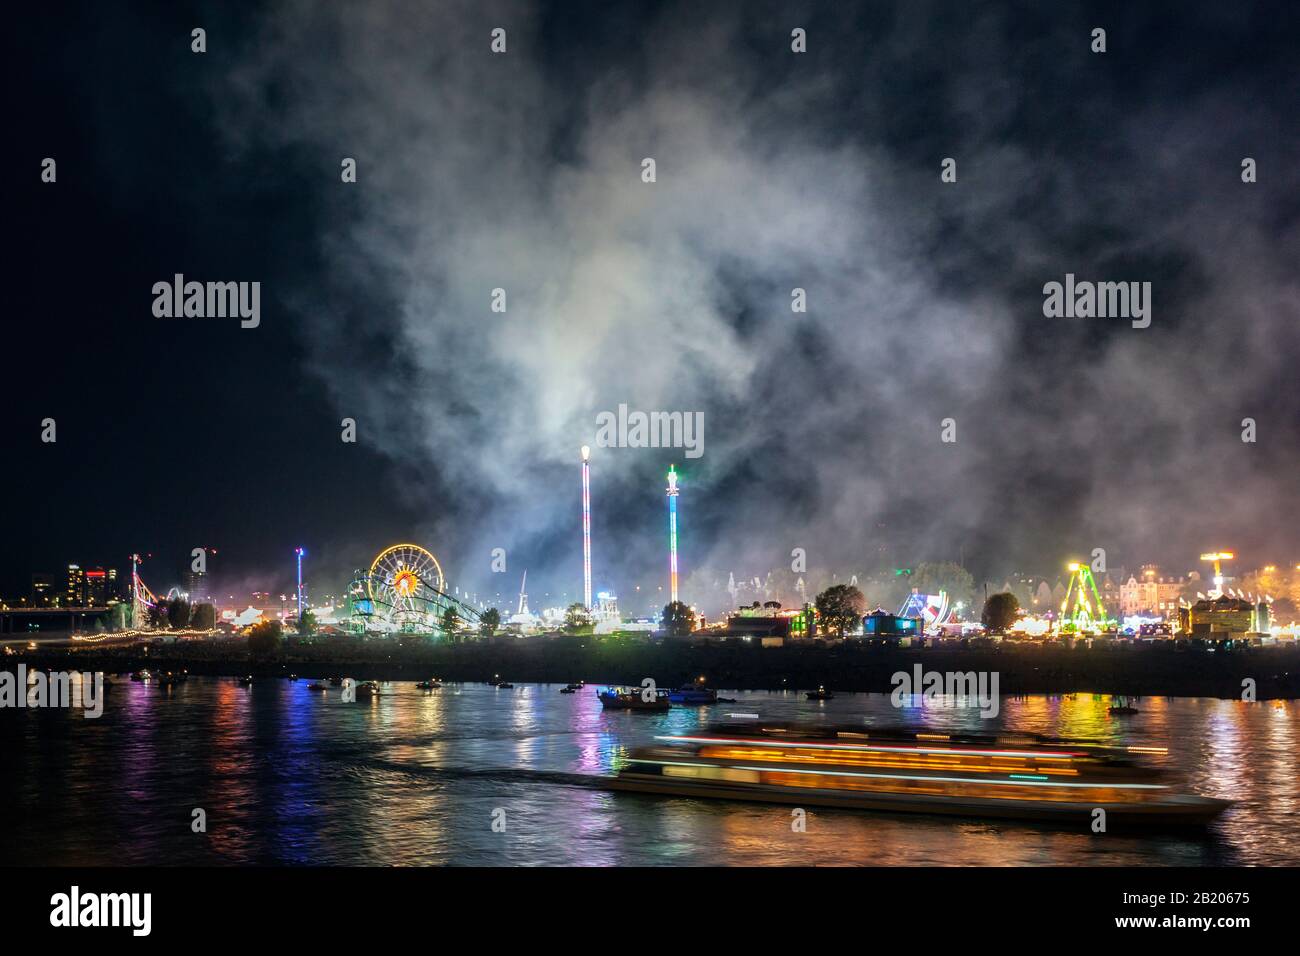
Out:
{"x": 288, "y": 775}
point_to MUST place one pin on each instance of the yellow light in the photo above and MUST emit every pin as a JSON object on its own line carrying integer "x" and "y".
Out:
{"x": 1073, "y": 566}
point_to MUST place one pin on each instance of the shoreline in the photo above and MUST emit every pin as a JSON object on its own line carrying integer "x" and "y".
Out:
{"x": 1144, "y": 670}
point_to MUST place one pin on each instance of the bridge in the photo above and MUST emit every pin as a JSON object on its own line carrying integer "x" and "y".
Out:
{"x": 19, "y": 620}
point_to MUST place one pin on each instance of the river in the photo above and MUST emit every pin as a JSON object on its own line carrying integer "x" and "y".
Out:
{"x": 286, "y": 775}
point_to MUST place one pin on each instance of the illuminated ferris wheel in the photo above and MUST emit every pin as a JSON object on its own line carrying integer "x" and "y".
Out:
{"x": 404, "y": 591}
{"x": 405, "y": 584}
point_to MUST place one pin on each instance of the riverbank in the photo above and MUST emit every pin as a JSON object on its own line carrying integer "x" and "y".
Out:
{"x": 1162, "y": 669}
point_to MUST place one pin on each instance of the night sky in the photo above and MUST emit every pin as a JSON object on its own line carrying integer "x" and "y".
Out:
{"x": 775, "y": 170}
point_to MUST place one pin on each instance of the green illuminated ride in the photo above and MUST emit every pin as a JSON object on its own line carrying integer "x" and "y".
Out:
{"x": 1082, "y": 611}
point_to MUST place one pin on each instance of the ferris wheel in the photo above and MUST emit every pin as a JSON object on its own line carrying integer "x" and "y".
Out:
{"x": 404, "y": 591}
{"x": 404, "y": 585}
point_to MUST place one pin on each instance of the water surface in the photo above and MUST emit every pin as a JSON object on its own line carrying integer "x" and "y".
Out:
{"x": 290, "y": 775}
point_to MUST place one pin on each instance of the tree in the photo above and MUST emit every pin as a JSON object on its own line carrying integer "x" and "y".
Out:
{"x": 1000, "y": 611}
{"x": 156, "y": 615}
{"x": 203, "y": 617}
{"x": 1283, "y": 611}
{"x": 840, "y": 608}
{"x": 449, "y": 622}
{"x": 931, "y": 578}
{"x": 264, "y": 639}
{"x": 489, "y": 621}
{"x": 577, "y": 619}
{"x": 678, "y": 619}
{"x": 306, "y": 623}
{"x": 178, "y": 613}
{"x": 118, "y": 616}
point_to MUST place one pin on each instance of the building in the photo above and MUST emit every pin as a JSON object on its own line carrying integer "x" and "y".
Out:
{"x": 1150, "y": 594}
{"x": 1219, "y": 617}
{"x": 606, "y": 608}
{"x": 793, "y": 623}
{"x": 1110, "y": 591}
{"x": 196, "y": 585}
{"x": 44, "y": 592}
{"x": 770, "y": 622}
{"x": 74, "y": 588}
{"x": 880, "y": 623}
{"x": 95, "y": 589}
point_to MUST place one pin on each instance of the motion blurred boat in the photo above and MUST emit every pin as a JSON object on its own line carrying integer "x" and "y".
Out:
{"x": 629, "y": 698}
{"x": 505, "y": 685}
{"x": 1122, "y": 706}
{"x": 821, "y": 693}
{"x": 174, "y": 677}
{"x": 142, "y": 676}
{"x": 318, "y": 686}
{"x": 693, "y": 695}
{"x": 246, "y": 681}
{"x": 431, "y": 684}
{"x": 368, "y": 688}
{"x": 1016, "y": 776}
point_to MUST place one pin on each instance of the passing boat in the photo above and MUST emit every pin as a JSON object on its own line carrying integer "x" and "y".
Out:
{"x": 1018, "y": 776}
{"x": 504, "y": 685}
{"x": 1121, "y": 706}
{"x": 173, "y": 677}
{"x": 572, "y": 688}
{"x": 821, "y": 693}
{"x": 317, "y": 685}
{"x": 629, "y": 698}
{"x": 246, "y": 681}
{"x": 142, "y": 676}
{"x": 367, "y": 688}
{"x": 693, "y": 696}
{"x": 431, "y": 684}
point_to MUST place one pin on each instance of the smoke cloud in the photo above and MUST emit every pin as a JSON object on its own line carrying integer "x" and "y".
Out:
{"x": 821, "y": 171}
